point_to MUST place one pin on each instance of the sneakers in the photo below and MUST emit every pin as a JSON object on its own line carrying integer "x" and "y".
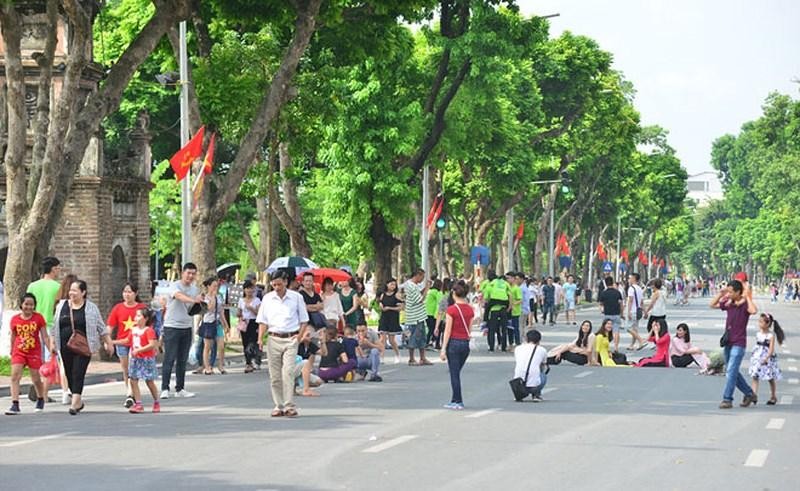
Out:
{"x": 375, "y": 378}
{"x": 454, "y": 406}
{"x": 396, "y": 360}
{"x": 13, "y": 410}
{"x": 725, "y": 405}
{"x": 137, "y": 408}
{"x": 184, "y": 394}
{"x": 39, "y": 405}
{"x": 538, "y": 398}
{"x": 128, "y": 402}
{"x": 66, "y": 398}
{"x": 156, "y": 407}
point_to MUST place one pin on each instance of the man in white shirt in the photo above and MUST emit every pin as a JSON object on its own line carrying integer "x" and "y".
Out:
{"x": 282, "y": 313}
{"x": 634, "y": 310}
{"x": 534, "y": 356}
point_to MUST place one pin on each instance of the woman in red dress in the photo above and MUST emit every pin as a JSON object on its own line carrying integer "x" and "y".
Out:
{"x": 660, "y": 336}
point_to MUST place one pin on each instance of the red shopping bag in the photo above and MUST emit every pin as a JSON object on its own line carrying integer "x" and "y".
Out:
{"x": 51, "y": 371}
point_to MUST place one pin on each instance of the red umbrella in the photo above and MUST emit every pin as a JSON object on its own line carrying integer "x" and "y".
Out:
{"x": 321, "y": 273}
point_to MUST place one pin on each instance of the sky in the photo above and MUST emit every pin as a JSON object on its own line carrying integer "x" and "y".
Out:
{"x": 700, "y": 68}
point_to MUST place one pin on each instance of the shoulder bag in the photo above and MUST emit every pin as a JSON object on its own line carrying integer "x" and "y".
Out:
{"x": 723, "y": 341}
{"x": 639, "y": 312}
{"x": 472, "y": 344}
{"x": 518, "y": 385}
{"x": 77, "y": 342}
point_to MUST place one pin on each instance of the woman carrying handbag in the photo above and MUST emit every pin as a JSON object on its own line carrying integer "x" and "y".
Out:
{"x": 76, "y": 333}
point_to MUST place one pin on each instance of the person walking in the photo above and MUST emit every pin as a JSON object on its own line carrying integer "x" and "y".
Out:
{"x": 571, "y": 300}
{"x": 432, "y": 300}
{"x": 455, "y": 341}
{"x": 213, "y": 327}
{"x": 28, "y": 334}
{"x": 764, "y": 360}
{"x": 634, "y": 311}
{"x": 737, "y": 302}
{"x": 498, "y": 306}
{"x": 389, "y": 324}
{"x": 415, "y": 292}
{"x": 144, "y": 344}
{"x": 78, "y": 314}
{"x": 610, "y": 301}
{"x": 282, "y": 314}
{"x": 45, "y": 289}
{"x": 178, "y": 326}
{"x": 548, "y": 301}
{"x": 248, "y": 309}
{"x": 120, "y": 322}
{"x": 657, "y": 310}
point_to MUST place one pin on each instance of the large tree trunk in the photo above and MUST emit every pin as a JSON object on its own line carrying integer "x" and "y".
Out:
{"x": 211, "y": 211}
{"x": 288, "y": 211}
{"x": 267, "y": 233}
{"x": 72, "y": 122}
{"x": 384, "y": 243}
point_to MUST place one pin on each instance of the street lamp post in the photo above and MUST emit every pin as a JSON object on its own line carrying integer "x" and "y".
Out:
{"x": 426, "y": 204}
{"x": 551, "y": 244}
{"x": 186, "y": 192}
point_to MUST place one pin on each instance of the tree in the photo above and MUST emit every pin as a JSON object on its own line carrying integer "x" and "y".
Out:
{"x": 62, "y": 127}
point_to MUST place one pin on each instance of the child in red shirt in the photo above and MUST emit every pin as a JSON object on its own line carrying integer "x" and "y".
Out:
{"x": 27, "y": 330}
{"x": 143, "y": 359}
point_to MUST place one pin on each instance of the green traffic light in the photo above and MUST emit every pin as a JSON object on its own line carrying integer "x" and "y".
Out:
{"x": 565, "y": 189}
{"x": 440, "y": 223}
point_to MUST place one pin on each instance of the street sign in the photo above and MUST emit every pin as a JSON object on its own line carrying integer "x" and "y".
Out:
{"x": 607, "y": 267}
{"x": 479, "y": 255}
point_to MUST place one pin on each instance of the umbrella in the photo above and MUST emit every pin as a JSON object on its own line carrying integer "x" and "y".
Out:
{"x": 321, "y": 273}
{"x": 228, "y": 269}
{"x": 299, "y": 263}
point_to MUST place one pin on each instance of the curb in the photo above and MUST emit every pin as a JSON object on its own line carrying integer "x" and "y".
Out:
{"x": 101, "y": 378}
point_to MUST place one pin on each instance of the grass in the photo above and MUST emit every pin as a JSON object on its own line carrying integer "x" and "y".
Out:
{"x": 5, "y": 367}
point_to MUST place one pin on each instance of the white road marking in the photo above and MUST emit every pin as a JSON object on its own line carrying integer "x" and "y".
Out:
{"x": 583, "y": 374}
{"x": 34, "y": 440}
{"x": 199, "y": 409}
{"x": 786, "y": 351}
{"x": 792, "y": 360}
{"x": 775, "y": 423}
{"x": 792, "y": 369}
{"x": 794, "y": 381}
{"x": 392, "y": 370}
{"x": 548, "y": 390}
{"x": 756, "y": 458}
{"x": 480, "y": 414}
{"x": 787, "y": 399}
{"x": 390, "y": 443}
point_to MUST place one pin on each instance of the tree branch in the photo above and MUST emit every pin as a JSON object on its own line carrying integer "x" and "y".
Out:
{"x": 557, "y": 131}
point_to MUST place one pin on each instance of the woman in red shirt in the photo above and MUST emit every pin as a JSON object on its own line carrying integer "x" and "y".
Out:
{"x": 120, "y": 323}
{"x": 660, "y": 336}
{"x": 455, "y": 346}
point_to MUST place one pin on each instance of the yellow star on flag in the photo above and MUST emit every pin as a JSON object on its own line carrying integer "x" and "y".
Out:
{"x": 128, "y": 324}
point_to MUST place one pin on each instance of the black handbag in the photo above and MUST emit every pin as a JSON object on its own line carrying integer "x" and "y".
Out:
{"x": 518, "y": 385}
{"x": 723, "y": 341}
{"x": 619, "y": 358}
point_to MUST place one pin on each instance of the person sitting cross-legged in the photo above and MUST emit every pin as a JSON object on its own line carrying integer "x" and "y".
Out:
{"x": 368, "y": 354}
{"x": 334, "y": 364}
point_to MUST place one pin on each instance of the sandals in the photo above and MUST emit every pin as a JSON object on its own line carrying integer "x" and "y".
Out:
{"x": 208, "y": 372}
{"x": 291, "y": 413}
{"x": 222, "y": 371}
{"x": 425, "y": 362}
{"x": 413, "y": 363}
{"x": 277, "y": 413}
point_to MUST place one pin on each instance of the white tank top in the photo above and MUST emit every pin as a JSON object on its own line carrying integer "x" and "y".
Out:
{"x": 659, "y": 306}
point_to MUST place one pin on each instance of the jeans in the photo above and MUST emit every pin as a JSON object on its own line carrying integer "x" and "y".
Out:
{"x": 548, "y": 308}
{"x": 176, "y": 351}
{"x": 733, "y": 377}
{"x": 537, "y": 391}
{"x": 457, "y": 354}
{"x": 513, "y": 331}
{"x": 198, "y": 352}
{"x": 497, "y": 327}
{"x": 371, "y": 362}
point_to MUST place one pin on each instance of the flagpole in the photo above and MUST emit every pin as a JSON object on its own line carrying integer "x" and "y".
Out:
{"x": 186, "y": 191}
{"x": 423, "y": 236}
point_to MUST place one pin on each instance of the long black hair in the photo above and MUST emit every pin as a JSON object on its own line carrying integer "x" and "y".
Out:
{"x": 662, "y": 326}
{"x": 687, "y": 338}
{"x": 583, "y": 338}
{"x": 602, "y": 329}
{"x": 779, "y": 334}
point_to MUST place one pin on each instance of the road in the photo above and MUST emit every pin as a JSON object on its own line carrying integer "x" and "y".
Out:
{"x": 597, "y": 429}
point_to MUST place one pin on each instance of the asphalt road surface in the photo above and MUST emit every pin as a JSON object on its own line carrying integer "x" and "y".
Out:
{"x": 598, "y": 428}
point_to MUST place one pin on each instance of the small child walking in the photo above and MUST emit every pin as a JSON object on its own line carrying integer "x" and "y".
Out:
{"x": 764, "y": 360}
{"x": 144, "y": 342}
{"x": 28, "y": 331}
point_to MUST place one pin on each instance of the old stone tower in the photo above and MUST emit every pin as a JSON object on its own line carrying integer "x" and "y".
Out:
{"x": 103, "y": 235}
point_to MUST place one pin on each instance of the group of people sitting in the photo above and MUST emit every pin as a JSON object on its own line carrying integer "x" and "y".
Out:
{"x": 594, "y": 348}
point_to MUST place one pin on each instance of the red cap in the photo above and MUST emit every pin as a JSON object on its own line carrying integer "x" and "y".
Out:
{"x": 741, "y": 276}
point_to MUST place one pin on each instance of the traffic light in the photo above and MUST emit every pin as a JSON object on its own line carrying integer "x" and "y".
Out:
{"x": 441, "y": 223}
{"x": 565, "y": 181}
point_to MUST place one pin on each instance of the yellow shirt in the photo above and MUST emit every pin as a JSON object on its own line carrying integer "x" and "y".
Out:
{"x": 601, "y": 347}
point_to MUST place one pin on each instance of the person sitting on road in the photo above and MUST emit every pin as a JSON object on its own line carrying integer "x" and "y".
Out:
{"x": 682, "y": 353}
{"x": 659, "y": 335}
{"x": 533, "y": 355}
{"x": 350, "y": 344}
{"x": 602, "y": 346}
{"x": 303, "y": 370}
{"x": 368, "y": 354}
{"x": 334, "y": 364}
{"x": 579, "y": 351}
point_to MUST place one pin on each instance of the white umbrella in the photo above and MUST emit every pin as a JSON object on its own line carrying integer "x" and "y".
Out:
{"x": 299, "y": 264}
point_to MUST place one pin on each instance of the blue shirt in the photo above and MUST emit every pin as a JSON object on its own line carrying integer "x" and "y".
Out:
{"x": 569, "y": 291}
{"x": 526, "y": 298}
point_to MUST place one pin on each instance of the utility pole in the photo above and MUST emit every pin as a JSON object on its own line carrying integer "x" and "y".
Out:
{"x": 552, "y": 243}
{"x": 510, "y": 239}
{"x": 426, "y": 204}
{"x": 186, "y": 192}
{"x": 619, "y": 247}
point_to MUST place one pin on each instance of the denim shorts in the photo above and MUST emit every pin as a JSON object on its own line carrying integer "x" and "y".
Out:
{"x": 616, "y": 322}
{"x": 208, "y": 330}
{"x": 122, "y": 350}
{"x": 570, "y": 304}
{"x": 416, "y": 335}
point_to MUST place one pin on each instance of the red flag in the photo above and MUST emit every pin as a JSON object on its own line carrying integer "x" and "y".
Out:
{"x": 642, "y": 258}
{"x": 208, "y": 163}
{"x": 181, "y": 162}
{"x": 437, "y": 213}
{"x": 624, "y": 255}
{"x": 520, "y": 233}
{"x": 432, "y": 211}
{"x": 601, "y": 251}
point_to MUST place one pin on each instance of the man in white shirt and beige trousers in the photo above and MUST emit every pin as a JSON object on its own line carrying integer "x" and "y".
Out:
{"x": 282, "y": 314}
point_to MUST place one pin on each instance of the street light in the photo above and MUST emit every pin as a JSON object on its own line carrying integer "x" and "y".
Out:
{"x": 552, "y": 245}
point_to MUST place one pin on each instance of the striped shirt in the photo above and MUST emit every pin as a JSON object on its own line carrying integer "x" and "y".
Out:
{"x": 415, "y": 307}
